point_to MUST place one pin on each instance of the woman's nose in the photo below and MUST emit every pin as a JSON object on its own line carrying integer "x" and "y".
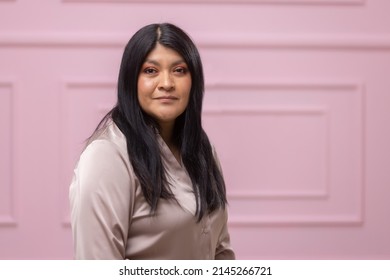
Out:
{"x": 166, "y": 82}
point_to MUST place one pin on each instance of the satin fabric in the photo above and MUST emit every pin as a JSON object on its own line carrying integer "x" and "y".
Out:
{"x": 111, "y": 219}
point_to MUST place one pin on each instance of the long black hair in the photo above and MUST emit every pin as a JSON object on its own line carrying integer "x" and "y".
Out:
{"x": 140, "y": 129}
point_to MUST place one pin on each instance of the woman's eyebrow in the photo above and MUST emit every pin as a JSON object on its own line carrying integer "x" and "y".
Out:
{"x": 156, "y": 63}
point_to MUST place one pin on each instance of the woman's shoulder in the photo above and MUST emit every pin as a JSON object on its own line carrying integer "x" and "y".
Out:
{"x": 107, "y": 145}
{"x": 109, "y": 137}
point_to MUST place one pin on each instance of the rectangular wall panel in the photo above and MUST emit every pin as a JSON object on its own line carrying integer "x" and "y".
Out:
{"x": 83, "y": 105}
{"x": 289, "y": 151}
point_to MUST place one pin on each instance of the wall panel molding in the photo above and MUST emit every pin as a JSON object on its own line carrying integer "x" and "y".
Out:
{"x": 260, "y": 2}
{"x": 290, "y": 112}
{"x": 344, "y": 103}
{"x": 73, "y": 95}
{"x": 271, "y": 195}
{"x": 339, "y": 220}
{"x": 7, "y": 123}
{"x": 283, "y": 84}
{"x": 378, "y": 42}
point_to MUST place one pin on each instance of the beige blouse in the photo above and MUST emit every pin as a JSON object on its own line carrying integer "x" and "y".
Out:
{"x": 111, "y": 218}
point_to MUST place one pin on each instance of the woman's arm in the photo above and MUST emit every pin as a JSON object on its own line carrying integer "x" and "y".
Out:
{"x": 101, "y": 202}
{"x": 224, "y": 250}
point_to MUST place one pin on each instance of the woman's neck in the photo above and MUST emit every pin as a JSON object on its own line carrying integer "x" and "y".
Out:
{"x": 166, "y": 133}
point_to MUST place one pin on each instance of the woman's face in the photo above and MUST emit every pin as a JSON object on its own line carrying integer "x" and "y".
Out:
{"x": 164, "y": 85}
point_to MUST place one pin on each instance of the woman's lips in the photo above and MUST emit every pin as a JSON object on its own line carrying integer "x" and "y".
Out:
{"x": 166, "y": 98}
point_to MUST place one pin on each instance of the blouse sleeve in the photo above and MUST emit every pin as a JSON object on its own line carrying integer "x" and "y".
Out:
{"x": 100, "y": 200}
{"x": 224, "y": 250}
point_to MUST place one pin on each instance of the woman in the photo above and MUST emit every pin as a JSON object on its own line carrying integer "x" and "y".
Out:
{"x": 148, "y": 185}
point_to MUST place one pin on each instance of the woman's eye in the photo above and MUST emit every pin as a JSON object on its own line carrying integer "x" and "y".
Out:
{"x": 181, "y": 70}
{"x": 150, "y": 71}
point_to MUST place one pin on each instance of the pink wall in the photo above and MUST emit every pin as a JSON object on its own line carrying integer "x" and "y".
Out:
{"x": 297, "y": 104}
